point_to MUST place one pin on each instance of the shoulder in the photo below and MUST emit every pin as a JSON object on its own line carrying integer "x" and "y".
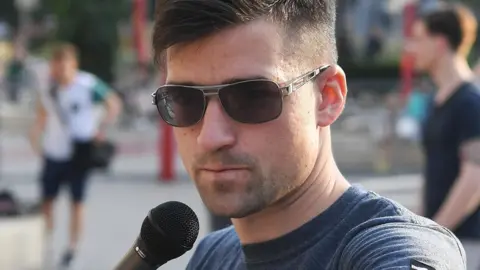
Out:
{"x": 224, "y": 237}
{"x": 466, "y": 112}
{"x": 213, "y": 247}
{"x": 395, "y": 245}
{"x": 386, "y": 235}
{"x": 86, "y": 79}
{"x": 370, "y": 209}
{"x": 469, "y": 97}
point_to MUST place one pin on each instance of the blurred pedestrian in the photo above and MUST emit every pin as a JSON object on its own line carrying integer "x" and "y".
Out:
{"x": 441, "y": 41}
{"x": 16, "y": 74}
{"x": 67, "y": 121}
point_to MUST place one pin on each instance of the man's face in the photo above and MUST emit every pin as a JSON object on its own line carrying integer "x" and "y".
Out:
{"x": 62, "y": 69}
{"x": 239, "y": 169}
{"x": 423, "y": 46}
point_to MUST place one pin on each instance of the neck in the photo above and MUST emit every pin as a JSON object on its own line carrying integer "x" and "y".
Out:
{"x": 66, "y": 80}
{"x": 448, "y": 74}
{"x": 321, "y": 189}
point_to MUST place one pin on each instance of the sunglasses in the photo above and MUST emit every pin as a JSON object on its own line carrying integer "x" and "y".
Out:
{"x": 249, "y": 102}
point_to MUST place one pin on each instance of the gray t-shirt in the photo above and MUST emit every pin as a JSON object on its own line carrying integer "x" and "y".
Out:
{"x": 360, "y": 231}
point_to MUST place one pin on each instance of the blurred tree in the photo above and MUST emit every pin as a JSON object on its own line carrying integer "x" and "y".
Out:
{"x": 151, "y": 9}
{"x": 343, "y": 40}
{"x": 8, "y": 12}
{"x": 471, "y": 3}
{"x": 92, "y": 25}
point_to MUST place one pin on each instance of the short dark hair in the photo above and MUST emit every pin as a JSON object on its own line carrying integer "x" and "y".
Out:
{"x": 184, "y": 21}
{"x": 454, "y": 22}
{"x": 63, "y": 50}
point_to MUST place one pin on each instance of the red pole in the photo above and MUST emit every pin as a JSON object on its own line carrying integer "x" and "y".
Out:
{"x": 407, "y": 61}
{"x": 139, "y": 26}
{"x": 166, "y": 148}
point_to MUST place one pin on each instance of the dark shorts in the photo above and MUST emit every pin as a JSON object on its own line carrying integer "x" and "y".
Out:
{"x": 74, "y": 173}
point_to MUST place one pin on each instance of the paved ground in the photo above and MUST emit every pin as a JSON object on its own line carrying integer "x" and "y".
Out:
{"x": 115, "y": 211}
{"x": 116, "y": 208}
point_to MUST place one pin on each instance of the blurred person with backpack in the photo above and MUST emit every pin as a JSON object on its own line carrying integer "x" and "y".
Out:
{"x": 67, "y": 121}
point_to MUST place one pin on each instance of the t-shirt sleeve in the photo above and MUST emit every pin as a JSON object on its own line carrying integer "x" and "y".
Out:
{"x": 468, "y": 119}
{"x": 403, "y": 247}
{"x": 100, "y": 91}
{"x": 198, "y": 255}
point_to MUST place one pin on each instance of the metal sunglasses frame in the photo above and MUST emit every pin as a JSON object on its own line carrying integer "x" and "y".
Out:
{"x": 286, "y": 88}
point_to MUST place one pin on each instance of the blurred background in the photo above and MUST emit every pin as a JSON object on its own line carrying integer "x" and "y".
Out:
{"x": 375, "y": 140}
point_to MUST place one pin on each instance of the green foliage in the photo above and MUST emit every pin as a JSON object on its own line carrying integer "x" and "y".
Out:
{"x": 96, "y": 18}
{"x": 470, "y": 3}
{"x": 8, "y": 12}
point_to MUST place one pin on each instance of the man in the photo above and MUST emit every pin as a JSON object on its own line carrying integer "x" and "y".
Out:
{"x": 252, "y": 88}
{"x": 66, "y": 118}
{"x": 441, "y": 42}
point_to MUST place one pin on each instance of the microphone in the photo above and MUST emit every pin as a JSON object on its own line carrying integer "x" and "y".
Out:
{"x": 168, "y": 231}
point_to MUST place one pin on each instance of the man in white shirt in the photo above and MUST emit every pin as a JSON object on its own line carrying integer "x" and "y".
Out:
{"x": 67, "y": 123}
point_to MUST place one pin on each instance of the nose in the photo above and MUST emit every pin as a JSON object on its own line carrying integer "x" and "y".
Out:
{"x": 217, "y": 129}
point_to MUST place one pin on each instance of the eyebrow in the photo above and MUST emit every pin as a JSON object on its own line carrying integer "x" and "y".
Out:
{"x": 229, "y": 81}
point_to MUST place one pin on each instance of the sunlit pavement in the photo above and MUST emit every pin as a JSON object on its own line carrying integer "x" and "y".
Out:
{"x": 116, "y": 208}
{"x": 115, "y": 211}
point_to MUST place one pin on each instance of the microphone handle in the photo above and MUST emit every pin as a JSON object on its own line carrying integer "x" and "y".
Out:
{"x": 135, "y": 259}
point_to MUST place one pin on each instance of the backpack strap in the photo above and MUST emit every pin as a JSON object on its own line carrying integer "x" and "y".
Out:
{"x": 53, "y": 91}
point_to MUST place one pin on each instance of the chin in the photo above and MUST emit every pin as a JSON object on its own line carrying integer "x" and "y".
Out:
{"x": 236, "y": 211}
{"x": 229, "y": 213}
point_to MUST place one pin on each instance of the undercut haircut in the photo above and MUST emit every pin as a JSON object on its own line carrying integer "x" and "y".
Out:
{"x": 456, "y": 23}
{"x": 308, "y": 25}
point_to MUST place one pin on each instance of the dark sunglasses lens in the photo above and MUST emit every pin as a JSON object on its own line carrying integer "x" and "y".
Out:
{"x": 252, "y": 102}
{"x": 180, "y": 106}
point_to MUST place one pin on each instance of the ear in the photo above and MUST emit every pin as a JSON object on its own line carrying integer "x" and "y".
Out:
{"x": 332, "y": 94}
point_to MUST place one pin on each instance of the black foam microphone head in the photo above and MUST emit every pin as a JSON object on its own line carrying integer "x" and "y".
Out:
{"x": 169, "y": 231}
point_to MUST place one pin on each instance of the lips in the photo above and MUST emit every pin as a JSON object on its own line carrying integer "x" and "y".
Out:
{"x": 222, "y": 169}
{"x": 223, "y": 173}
